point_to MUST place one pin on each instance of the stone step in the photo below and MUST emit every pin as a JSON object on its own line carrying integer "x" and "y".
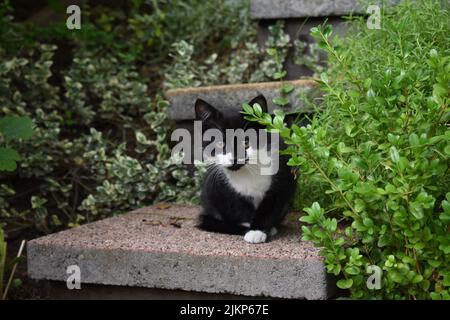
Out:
{"x": 284, "y": 9}
{"x": 232, "y": 96}
{"x": 159, "y": 247}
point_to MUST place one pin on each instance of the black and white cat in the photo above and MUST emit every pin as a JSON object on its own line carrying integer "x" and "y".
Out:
{"x": 236, "y": 197}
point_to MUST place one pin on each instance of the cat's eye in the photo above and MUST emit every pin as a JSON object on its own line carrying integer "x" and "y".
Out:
{"x": 219, "y": 144}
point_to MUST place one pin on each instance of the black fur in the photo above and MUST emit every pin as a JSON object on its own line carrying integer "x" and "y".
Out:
{"x": 223, "y": 209}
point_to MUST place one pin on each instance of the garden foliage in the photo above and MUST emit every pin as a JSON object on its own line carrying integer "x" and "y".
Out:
{"x": 376, "y": 157}
{"x": 101, "y": 143}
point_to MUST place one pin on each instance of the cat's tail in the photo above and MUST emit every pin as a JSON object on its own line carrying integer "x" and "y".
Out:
{"x": 211, "y": 224}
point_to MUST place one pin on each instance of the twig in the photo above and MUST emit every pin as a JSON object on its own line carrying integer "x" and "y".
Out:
{"x": 13, "y": 271}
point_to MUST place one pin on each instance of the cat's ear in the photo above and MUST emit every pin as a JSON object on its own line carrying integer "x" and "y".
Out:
{"x": 261, "y": 100}
{"x": 204, "y": 111}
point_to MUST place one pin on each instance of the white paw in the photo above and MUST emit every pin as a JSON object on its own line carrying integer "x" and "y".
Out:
{"x": 273, "y": 231}
{"x": 255, "y": 236}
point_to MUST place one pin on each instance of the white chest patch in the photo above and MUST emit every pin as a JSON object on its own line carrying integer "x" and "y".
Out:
{"x": 249, "y": 184}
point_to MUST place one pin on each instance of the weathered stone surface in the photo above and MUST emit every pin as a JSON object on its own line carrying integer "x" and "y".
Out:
{"x": 231, "y": 96}
{"x": 282, "y": 9}
{"x": 161, "y": 248}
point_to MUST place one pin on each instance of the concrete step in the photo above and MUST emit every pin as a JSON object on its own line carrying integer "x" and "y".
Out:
{"x": 284, "y": 9}
{"x": 159, "y": 247}
{"x": 232, "y": 96}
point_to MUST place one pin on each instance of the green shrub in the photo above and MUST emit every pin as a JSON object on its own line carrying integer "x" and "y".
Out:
{"x": 99, "y": 146}
{"x": 380, "y": 151}
{"x": 246, "y": 63}
{"x": 218, "y": 25}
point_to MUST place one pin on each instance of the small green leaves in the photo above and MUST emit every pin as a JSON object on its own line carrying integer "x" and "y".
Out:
{"x": 445, "y": 215}
{"x": 433, "y": 53}
{"x": 322, "y": 34}
{"x": 315, "y": 32}
{"x": 141, "y": 138}
{"x": 278, "y": 122}
{"x": 287, "y": 88}
{"x": 247, "y": 109}
{"x": 345, "y": 283}
{"x": 425, "y": 199}
{"x": 279, "y": 75}
{"x": 258, "y": 110}
{"x": 393, "y": 152}
{"x": 414, "y": 140}
{"x": 281, "y": 101}
{"x": 342, "y": 148}
{"x": 350, "y": 129}
{"x": 324, "y": 77}
{"x": 327, "y": 30}
{"x": 12, "y": 127}
{"x": 8, "y": 159}
{"x": 315, "y": 213}
{"x": 439, "y": 90}
{"x": 422, "y": 202}
{"x": 379, "y": 154}
{"x": 16, "y": 127}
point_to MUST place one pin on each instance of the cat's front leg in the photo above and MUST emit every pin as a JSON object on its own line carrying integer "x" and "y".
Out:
{"x": 255, "y": 236}
{"x": 263, "y": 222}
{"x": 258, "y": 236}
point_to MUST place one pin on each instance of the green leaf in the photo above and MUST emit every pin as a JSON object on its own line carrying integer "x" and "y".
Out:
{"x": 278, "y": 122}
{"x": 342, "y": 148}
{"x": 416, "y": 210}
{"x": 445, "y": 216}
{"x": 279, "y": 75}
{"x": 353, "y": 270}
{"x": 324, "y": 77}
{"x": 8, "y": 159}
{"x": 308, "y": 219}
{"x": 446, "y": 281}
{"x": 395, "y": 276}
{"x": 287, "y": 88}
{"x": 349, "y": 129}
{"x": 271, "y": 51}
{"x": 447, "y": 150}
{"x": 345, "y": 283}
{"x": 417, "y": 278}
{"x": 16, "y": 127}
{"x": 315, "y": 32}
{"x": 327, "y": 31}
{"x": 439, "y": 90}
{"x": 247, "y": 109}
{"x": 394, "y": 154}
{"x": 280, "y": 101}
{"x": 360, "y": 163}
{"x": 414, "y": 140}
{"x": 258, "y": 110}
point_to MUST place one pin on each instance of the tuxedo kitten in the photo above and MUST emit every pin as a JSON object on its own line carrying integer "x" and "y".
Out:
{"x": 238, "y": 197}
